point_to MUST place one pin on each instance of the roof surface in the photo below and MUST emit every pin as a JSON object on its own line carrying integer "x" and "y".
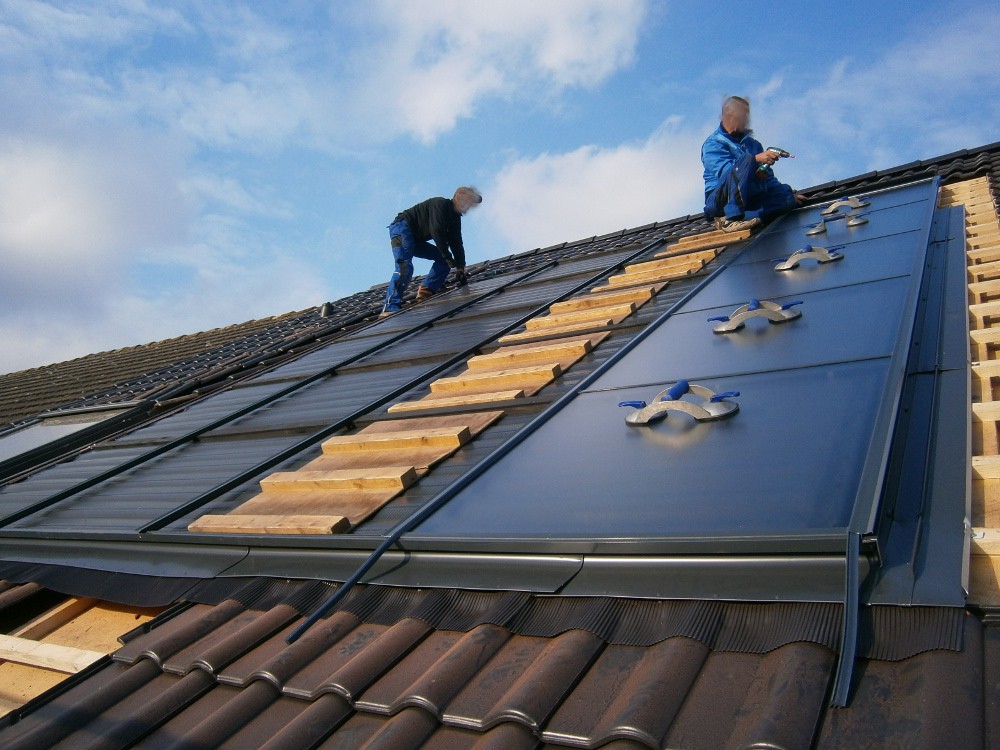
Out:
{"x": 526, "y": 644}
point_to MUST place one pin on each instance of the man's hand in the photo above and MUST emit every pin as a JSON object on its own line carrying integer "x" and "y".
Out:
{"x": 461, "y": 279}
{"x": 767, "y": 158}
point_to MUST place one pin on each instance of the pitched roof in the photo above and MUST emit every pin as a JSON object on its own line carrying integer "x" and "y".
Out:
{"x": 456, "y": 641}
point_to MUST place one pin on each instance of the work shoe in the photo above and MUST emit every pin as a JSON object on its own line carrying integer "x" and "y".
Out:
{"x": 424, "y": 293}
{"x": 735, "y": 225}
{"x": 388, "y": 311}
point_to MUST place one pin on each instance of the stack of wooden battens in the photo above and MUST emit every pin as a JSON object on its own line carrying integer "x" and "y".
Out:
{"x": 983, "y": 257}
{"x": 358, "y": 474}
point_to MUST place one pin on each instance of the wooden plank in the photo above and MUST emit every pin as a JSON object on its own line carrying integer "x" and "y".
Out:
{"x": 594, "y": 340}
{"x": 986, "y": 467}
{"x": 984, "y": 271}
{"x": 708, "y": 239}
{"x": 983, "y": 254}
{"x": 986, "y": 503}
{"x": 468, "y": 399}
{"x": 631, "y": 279}
{"x": 436, "y": 437}
{"x": 613, "y": 312}
{"x": 984, "y": 580}
{"x": 46, "y": 655}
{"x": 961, "y": 197}
{"x": 638, "y": 296}
{"x": 385, "y": 477}
{"x": 983, "y": 232}
{"x": 504, "y": 357}
{"x": 497, "y": 379}
{"x": 422, "y": 459}
{"x": 475, "y": 423}
{"x": 53, "y": 619}
{"x": 982, "y": 249}
{"x": 685, "y": 261}
{"x": 982, "y": 311}
{"x": 964, "y": 190}
{"x": 286, "y": 524}
{"x": 985, "y": 541}
{"x": 986, "y": 335}
{"x": 704, "y": 255}
{"x": 980, "y": 289}
{"x": 985, "y": 370}
{"x": 531, "y": 335}
{"x": 355, "y": 507}
{"x": 986, "y": 412}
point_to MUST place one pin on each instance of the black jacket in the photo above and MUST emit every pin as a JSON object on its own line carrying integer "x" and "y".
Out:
{"x": 436, "y": 219}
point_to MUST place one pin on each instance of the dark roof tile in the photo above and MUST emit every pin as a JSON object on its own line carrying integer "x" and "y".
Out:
{"x": 353, "y": 661}
{"x": 179, "y": 633}
{"x": 630, "y": 693}
{"x": 252, "y": 631}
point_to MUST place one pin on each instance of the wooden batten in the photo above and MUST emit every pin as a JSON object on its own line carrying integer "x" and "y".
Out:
{"x": 984, "y": 271}
{"x": 638, "y": 296}
{"x": 498, "y": 379}
{"x": 506, "y": 357}
{"x": 444, "y": 437}
{"x": 354, "y": 505}
{"x": 470, "y": 399}
{"x": 422, "y": 459}
{"x": 707, "y": 239}
{"x": 667, "y": 264}
{"x": 613, "y": 312}
{"x": 703, "y": 255}
{"x": 46, "y": 655}
{"x": 548, "y": 333}
{"x": 384, "y": 477}
{"x": 984, "y": 291}
{"x": 981, "y": 311}
{"x": 631, "y": 279}
{"x": 250, "y": 524}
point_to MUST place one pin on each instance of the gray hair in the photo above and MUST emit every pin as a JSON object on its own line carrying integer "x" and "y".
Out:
{"x": 732, "y": 102}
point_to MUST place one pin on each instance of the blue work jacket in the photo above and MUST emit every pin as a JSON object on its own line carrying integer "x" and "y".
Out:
{"x": 720, "y": 151}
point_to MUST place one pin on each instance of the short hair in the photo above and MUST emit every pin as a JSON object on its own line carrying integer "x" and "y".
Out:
{"x": 731, "y": 101}
{"x": 468, "y": 195}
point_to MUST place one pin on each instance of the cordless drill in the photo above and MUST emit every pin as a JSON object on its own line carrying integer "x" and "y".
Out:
{"x": 764, "y": 170}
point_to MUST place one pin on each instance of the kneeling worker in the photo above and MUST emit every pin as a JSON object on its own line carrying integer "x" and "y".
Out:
{"x": 438, "y": 219}
{"x": 741, "y": 191}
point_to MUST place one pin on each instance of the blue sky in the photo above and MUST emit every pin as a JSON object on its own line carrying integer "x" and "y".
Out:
{"x": 171, "y": 167}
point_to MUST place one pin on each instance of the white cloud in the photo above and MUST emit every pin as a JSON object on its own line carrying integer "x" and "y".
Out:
{"x": 554, "y": 198}
{"x": 893, "y": 107}
{"x": 70, "y": 213}
{"x": 435, "y": 61}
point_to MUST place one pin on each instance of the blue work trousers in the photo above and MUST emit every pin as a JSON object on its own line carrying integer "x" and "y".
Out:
{"x": 404, "y": 250}
{"x": 741, "y": 194}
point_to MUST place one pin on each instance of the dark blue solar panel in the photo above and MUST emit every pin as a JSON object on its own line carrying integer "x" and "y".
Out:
{"x": 802, "y": 458}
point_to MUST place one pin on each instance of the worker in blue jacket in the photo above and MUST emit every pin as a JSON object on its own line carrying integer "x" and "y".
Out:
{"x": 438, "y": 219}
{"x": 741, "y": 191}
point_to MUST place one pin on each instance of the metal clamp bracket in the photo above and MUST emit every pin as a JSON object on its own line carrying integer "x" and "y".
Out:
{"x": 851, "y": 202}
{"x": 713, "y": 405}
{"x": 756, "y": 308}
{"x": 853, "y": 217}
{"x": 821, "y": 254}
